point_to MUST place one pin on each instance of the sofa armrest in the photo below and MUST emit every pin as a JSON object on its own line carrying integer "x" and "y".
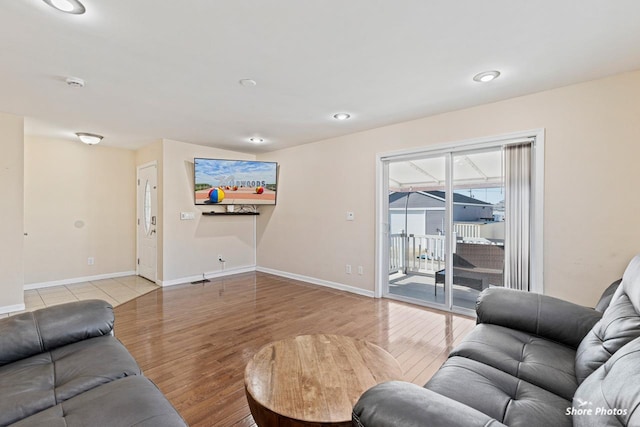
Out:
{"x": 27, "y": 334}
{"x": 398, "y": 403}
{"x": 549, "y": 317}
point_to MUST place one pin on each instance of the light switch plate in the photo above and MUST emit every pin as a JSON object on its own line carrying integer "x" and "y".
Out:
{"x": 350, "y": 216}
{"x": 187, "y": 216}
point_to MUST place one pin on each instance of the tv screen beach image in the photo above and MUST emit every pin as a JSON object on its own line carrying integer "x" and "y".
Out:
{"x": 240, "y": 181}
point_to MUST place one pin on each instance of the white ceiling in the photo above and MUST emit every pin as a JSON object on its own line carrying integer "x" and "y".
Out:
{"x": 170, "y": 69}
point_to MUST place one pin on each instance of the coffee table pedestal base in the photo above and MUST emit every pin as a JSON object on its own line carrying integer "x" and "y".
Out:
{"x": 265, "y": 417}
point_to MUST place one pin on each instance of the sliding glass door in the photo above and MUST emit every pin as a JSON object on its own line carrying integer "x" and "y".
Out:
{"x": 478, "y": 224}
{"x": 418, "y": 228}
{"x": 449, "y": 215}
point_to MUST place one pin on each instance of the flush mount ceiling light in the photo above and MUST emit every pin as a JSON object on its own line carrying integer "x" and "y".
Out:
{"x": 89, "y": 138}
{"x": 341, "y": 116}
{"x": 67, "y": 6}
{"x": 486, "y": 76}
{"x": 256, "y": 140}
{"x": 247, "y": 82}
{"x": 75, "y": 82}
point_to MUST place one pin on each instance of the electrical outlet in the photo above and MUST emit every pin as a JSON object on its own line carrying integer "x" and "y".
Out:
{"x": 90, "y": 260}
{"x": 360, "y": 270}
{"x": 347, "y": 269}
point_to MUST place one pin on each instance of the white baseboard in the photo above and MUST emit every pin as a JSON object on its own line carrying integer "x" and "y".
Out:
{"x": 315, "y": 281}
{"x": 77, "y": 280}
{"x": 11, "y": 308}
{"x": 189, "y": 279}
{"x": 212, "y": 275}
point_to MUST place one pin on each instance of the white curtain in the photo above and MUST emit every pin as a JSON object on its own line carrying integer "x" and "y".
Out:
{"x": 517, "y": 163}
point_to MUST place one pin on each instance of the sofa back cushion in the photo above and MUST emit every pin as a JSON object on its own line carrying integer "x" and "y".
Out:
{"x": 27, "y": 334}
{"x": 611, "y": 395}
{"x": 607, "y": 295}
{"x": 620, "y": 324}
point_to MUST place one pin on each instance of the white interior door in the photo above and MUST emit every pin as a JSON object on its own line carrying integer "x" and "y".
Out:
{"x": 147, "y": 221}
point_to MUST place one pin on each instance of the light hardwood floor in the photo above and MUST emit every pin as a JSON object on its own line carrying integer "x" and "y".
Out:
{"x": 194, "y": 341}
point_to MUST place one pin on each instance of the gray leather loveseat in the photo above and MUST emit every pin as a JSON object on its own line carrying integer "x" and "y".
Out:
{"x": 60, "y": 366}
{"x": 531, "y": 360}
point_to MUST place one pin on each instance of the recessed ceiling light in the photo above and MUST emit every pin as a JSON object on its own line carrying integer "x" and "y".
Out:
{"x": 68, "y": 6}
{"x": 89, "y": 138}
{"x": 341, "y": 116}
{"x": 486, "y": 76}
{"x": 256, "y": 140}
{"x": 248, "y": 82}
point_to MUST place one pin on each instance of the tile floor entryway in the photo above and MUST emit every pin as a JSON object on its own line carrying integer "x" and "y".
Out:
{"x": 115, "y": 291}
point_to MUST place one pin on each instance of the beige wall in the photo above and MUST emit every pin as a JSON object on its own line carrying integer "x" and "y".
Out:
{"x": 306, "y": 233}
{"x": 79, "y": 203}
{"x": 591, "y": 200}
{"x": 191, "y": 248}
{"x": 11, "y": 212}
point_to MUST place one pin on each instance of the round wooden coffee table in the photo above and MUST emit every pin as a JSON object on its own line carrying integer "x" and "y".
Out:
{"x": 314, "y": 380}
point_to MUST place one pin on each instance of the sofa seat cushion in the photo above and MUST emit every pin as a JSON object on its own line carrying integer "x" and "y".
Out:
{"x": 131, "y": 401}
{"x": 541, "y": 362}
{"x": 508, "y": 399}
{"x": 39, "y": 382}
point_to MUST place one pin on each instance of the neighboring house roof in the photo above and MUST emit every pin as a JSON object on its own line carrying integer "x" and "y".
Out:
{"x": 430, "y": 199}
{"x": 459, "y": 198}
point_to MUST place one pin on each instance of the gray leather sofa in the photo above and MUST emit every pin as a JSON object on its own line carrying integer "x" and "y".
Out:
{"x": 61, "y": 366}
{"x": 531, "y": 360}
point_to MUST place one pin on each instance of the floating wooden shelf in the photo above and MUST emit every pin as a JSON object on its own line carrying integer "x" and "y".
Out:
{"x": 229, "y": 213}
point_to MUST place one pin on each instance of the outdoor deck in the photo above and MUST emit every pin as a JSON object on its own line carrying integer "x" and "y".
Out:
{"x": 423, "y": 288}
{"x": 416, "y": 268}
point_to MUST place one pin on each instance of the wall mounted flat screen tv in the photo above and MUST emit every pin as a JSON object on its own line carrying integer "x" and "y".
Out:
{"x": 235, "y": 182}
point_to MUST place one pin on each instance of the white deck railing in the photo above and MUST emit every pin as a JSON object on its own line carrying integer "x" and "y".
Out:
{"x": 397, "y": 243}
{"x": 467, "y": 230}
{"x": 416, "y": 252}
